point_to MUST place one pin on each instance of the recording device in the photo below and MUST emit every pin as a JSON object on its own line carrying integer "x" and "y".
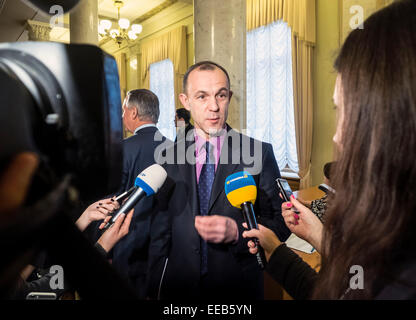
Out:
{"x": 122, "y": 196}
{"x": 284, "y": 189}
{"x": 148, "y": 182}
{"x": 41, "y": 296}
{"x": 325, "y": 188}
{"x": 63, "y": 103}
{"x": 241, "y": 191}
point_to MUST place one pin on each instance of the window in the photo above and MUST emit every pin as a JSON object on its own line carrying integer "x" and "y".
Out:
{"x": 270, "y": 111}
{"x": 161, "y": 84}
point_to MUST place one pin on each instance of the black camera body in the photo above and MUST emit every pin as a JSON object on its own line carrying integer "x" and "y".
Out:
{"x": 63, "y": 103}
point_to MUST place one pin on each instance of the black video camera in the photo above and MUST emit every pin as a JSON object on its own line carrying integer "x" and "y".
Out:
{"x": 63, "y": 103}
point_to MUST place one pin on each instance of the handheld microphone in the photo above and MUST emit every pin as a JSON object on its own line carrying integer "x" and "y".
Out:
{"x": 241, "y": 191}
{"x": 148, "y": 182}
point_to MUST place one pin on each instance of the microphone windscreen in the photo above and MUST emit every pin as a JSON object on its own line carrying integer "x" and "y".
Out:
{"x": 240, "y": 187}
{"x": 151, "y": 179}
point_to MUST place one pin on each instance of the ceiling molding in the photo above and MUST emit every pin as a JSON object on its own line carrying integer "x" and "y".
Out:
{"x": 155, "y": 11}
{"x": 148, "y": 14}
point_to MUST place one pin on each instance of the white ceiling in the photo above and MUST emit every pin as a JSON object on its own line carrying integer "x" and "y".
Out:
{"x": 131, "y": 10}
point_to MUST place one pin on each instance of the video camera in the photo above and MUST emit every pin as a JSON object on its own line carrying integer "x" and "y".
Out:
{"x": 63, "y": 103}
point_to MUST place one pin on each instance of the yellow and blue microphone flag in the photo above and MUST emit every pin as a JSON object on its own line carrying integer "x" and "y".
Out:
{"x": 240, "y": 187}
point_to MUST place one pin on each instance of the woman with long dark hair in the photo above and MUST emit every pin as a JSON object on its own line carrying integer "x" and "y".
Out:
{"x": 371, "y": 219}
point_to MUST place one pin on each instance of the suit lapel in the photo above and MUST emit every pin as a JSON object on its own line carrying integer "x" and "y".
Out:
{"x": 189, "y": 174}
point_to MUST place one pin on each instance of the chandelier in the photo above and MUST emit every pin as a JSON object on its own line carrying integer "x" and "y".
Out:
{"x": 122, "y": 33}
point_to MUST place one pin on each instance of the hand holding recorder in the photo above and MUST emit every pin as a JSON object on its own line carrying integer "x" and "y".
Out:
{"x": 299, "y": 219}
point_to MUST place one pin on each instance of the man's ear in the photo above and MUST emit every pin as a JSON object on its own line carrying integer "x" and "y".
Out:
{"x": 184, "y": 100}
{"x": 133, "y": 113}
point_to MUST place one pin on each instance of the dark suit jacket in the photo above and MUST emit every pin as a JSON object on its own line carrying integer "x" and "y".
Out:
{"x": 174, "y": 253}
{"x": 183, "y": 132}
{"x": 130, "y": 253}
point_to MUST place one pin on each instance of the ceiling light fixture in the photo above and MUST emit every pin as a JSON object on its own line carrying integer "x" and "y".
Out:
{"x": 122, "y": 33}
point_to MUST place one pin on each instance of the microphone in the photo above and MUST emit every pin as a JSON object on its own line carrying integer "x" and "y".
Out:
{"x": 148, "y": 182}
{"x": 241, "y": 191}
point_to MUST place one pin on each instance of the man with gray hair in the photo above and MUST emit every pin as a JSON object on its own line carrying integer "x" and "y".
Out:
{"x": 140, "y": 115}
{"x": 140, "y": 110}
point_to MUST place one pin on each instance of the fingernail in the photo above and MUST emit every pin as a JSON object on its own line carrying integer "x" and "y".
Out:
{"x": 292, "y": 196}
{"x": 296, "y": 216}
{"x": 97, "y": 207}
{"x": 296, "y": 223}
{"x": 100, "y": 203}
{"x": 112, "y": 200}
{"x": 289, "y": 205}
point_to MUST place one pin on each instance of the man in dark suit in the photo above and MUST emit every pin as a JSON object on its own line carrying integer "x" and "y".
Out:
{"x": 140, "y": 115}
{"x": 197, "y": 250}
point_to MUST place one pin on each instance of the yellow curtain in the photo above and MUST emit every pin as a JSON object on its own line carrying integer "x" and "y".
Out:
{"x": 171, "y": 45}
{"x": 383, "y": 3}
{"x": 300, "y": 16}
{"x": 302, "y": 57}
{"x": 121, "y": 65}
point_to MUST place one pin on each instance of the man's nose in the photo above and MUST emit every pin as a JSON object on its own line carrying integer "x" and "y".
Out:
{"x": 213, "y": 104}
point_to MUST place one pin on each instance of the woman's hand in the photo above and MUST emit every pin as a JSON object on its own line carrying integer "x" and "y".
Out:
{"x": 304, "y": 224}
{"x": 97, "y": 211}
{"x": 267, "y": 239}
{"x": 117, "y": 231}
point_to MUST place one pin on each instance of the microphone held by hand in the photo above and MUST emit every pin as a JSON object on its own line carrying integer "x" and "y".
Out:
{"x": 122, "y": 196}
{"x": 241, "y": 192}
{"x": 148, "y": 182}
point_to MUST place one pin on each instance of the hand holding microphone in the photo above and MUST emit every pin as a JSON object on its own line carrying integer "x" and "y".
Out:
{"x": 267, "y": 239}
{"x": 241, "y": 192}
{"x": 119, "y": 230}
{"x": 148, "y": 182}
{"x": 97, "y": 211}
{"x": 121, "y": 197}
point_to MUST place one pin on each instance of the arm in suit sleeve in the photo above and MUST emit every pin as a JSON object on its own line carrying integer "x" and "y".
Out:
{"x": 268, "y": 206}
{"x": 160, "y": 237}
{"x": 292, "y": 273}
{"x": 125, "y": 172}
